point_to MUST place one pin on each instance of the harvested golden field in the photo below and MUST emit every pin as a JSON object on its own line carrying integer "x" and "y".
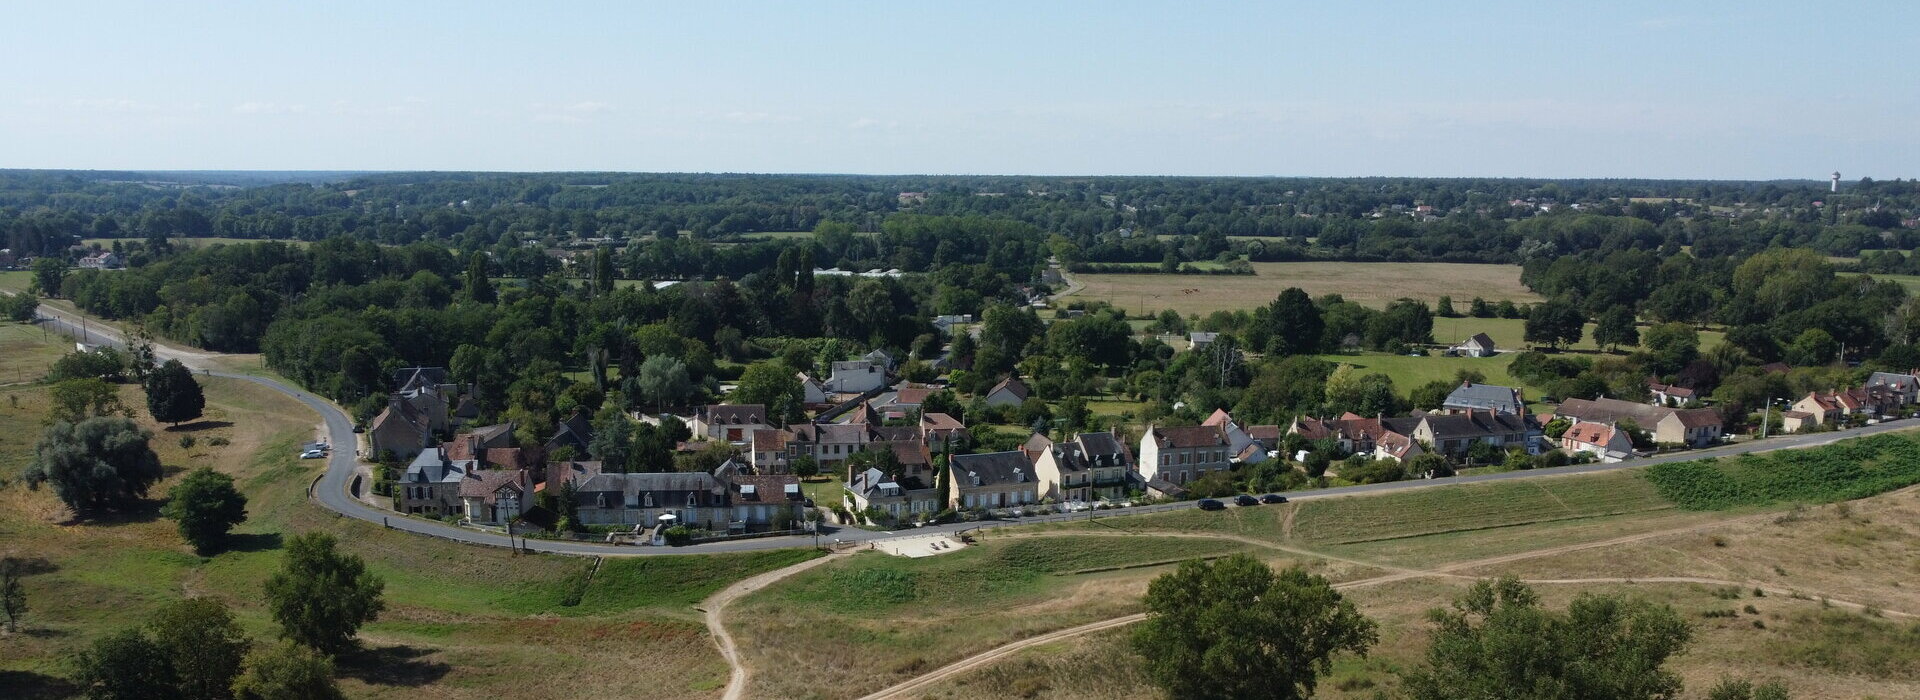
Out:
{"x": 1372, "y": 284}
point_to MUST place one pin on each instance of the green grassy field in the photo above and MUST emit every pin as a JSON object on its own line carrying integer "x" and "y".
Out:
{"x": 1511, "y": 333}
{"x": 16, "y": 280}
{"x": 29, "y": 351}
{"x": 461, "y": 620}
{"x": 1409, "y": 372}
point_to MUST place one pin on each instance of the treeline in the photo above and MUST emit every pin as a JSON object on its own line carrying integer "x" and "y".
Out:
{"x": 340, "y": 315}
{"x": 1111, "y": 219}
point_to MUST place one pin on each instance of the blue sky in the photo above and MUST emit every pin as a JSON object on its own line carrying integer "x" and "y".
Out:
{"x": 1544, "y": 89}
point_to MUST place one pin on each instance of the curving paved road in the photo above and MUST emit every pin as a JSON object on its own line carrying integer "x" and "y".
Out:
{"x": 332, "y": 492}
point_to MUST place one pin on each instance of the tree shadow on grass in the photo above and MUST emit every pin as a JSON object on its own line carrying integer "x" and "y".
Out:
{"x": 146, "y": 510}
{"x": 198, "y": 426}
{"x": 28, "y": 685}
{"x": 395, "y": 665}
{"x": 252, "y": 542}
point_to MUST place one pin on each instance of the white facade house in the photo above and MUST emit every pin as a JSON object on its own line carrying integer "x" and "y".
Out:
{"x": 856, "y": 377}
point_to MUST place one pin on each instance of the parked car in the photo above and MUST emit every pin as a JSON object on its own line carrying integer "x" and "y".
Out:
{"x": 1244, "y": 500}
{"x": 1210, "y": 504}
{"x": 1273, "y": 498}
{"x": 313, "y": 454}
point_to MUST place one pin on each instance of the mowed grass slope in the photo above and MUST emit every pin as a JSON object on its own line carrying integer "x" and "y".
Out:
{"x": 1372, "y": 284}
{"x": 461, "y": 620}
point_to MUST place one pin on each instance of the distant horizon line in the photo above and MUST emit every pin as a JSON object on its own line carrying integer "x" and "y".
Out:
{"x": 264, "y": 171}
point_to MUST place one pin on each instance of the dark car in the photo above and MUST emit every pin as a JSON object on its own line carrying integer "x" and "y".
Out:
{"x": 1244, "y": 500}
{"x": 1273, "y": 498}
{"x": 1210, "y": 504}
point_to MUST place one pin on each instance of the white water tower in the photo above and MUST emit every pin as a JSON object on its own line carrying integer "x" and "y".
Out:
{"x": 1835, "y": 187}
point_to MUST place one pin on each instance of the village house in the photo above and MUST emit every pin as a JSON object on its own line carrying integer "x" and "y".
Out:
{"x": 1485, "y": 397}
{"x": 1906, "y": 387}
{"x": 1602, "y": 440}
{"x": 1090, "y": 467}
{"x": 106, "y": 260}
{"x": 912, "y": 495}
{"x": 733, "y": 423}
{"x": 1455, "y": 433}
{"x": 903, "y": 401}
{"x": 1243, "y": 446}
{"x": 401, "y": 429}
{"x": 879, "y": 357}
{"x": 495, "y": 496}
{"x": 1199, "y": 340}
{"x": 812, "y": 392}
{"x": 431, "y": 484}
{"x": 1480, "y": 345}
{"x": 940, "y": 430}
{"x": 1180, "y": 455}
{"x": 693, "y": 499}
{"x": 769, "y": 454}
{"x": 856, "y": 377}
{"x": 1668, "y": 395}
{"x": 765, "y": 502}
{"x": 1830, "y": 407}
{"x": 573, "y": 434}
{"x": 1009, "y": 392}
{"x": 829, "y": 444}
{"x": 1354, "y": 434}
{"x": 992, "y": 480}
{"x": 1694, "y": 427}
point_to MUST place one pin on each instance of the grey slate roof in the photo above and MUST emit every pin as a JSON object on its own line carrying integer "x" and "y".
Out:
{"x": 1486, "y": 397}
{"x": 992, "y": 469}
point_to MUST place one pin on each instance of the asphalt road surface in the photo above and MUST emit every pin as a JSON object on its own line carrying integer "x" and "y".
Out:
{"x": 331, "y": 491}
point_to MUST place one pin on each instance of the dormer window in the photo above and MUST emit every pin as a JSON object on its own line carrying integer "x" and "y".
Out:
{"x": 693, "y": 499}
{"x": 647, "y": 499}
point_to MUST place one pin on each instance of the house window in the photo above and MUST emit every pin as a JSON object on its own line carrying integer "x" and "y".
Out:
{"x": 693, "y": 499}
{"x": 647, "y": 499}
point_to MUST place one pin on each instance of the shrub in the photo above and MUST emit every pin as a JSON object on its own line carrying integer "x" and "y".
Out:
{"x": 679, "y": 536}
{"x": 1846, "y": 470}
{"x": 186, "y": 442}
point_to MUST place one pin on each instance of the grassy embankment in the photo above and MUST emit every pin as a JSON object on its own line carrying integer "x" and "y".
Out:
{"x": 1610, "y": 525}
{"x": 462, "y": 621}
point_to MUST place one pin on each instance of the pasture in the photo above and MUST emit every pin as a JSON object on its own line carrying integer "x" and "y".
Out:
{"x": 1372, "y": 284}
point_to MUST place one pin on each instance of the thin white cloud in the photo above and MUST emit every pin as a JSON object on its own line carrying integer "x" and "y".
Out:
{"x": 268, "y": 108}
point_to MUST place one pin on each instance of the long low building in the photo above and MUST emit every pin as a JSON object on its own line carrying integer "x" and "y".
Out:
{"x": 1694, "y": 427}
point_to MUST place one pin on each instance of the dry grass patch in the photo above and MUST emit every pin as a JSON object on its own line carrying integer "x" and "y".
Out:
{"x": 1372, "y": 284}
{"x": 1865, "y": 551}
{"x": 870, "y": 621}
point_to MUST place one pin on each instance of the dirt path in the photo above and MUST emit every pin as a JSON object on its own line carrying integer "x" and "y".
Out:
{"x": 715, "y": 607}
{"x": 989, "y": 656}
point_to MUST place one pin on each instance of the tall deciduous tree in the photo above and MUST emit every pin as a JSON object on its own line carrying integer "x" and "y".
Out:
{"x": 13, "y": 594}
{"x": 478, "y": 286}
{"x": 126, "y": 665}
{"x": 48, "y": 272}
{"x": 1294, "y": 324}
{"x": 1234, "y": 628}
{"x": 1554, "y": 323}
{"x": 75, "y": 400}
{"x": 172, "y": 394}
{"x": 204, "y": 644}
{"x": 1615, "y": 328}
{"x": 773, "y": 384}
{"x": 321, "y": 596}
{"x": 96, "y": 464}
{"x": 206, "y": 505}
{"x": 1498, "y": 642}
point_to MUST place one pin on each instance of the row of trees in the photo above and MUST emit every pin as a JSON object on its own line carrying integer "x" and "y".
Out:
{"x": 194, "y": 648}
{"x": 1235, "y": 628}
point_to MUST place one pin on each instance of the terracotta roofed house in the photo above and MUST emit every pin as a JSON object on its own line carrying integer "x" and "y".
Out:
{"x": 1696, "y": 427}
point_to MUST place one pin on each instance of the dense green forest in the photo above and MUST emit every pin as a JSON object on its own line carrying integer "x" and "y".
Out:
{"x": 677, "y": 225}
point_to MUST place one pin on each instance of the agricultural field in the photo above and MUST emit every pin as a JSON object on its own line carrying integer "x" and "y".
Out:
{"x": 1373, "y": 284}
{"x": 461, "y": 621}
